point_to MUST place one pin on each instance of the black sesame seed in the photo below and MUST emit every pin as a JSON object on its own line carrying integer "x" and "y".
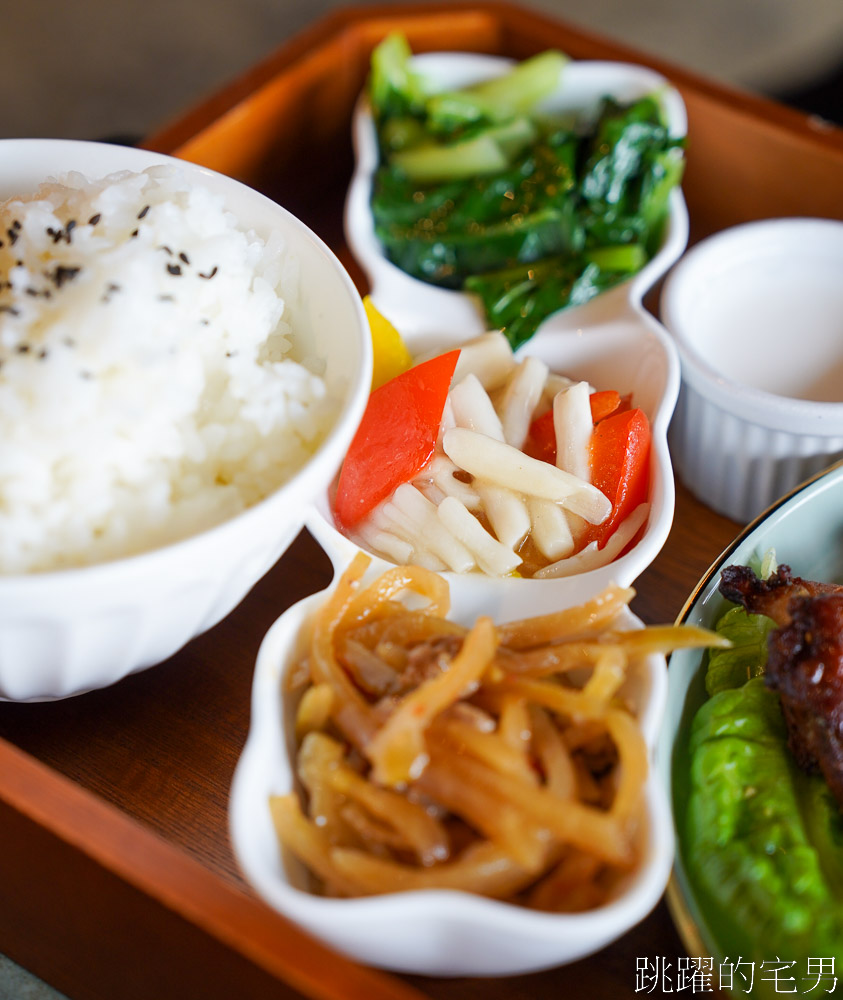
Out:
{"x": 13, "y": 236}
{"x": 16, "y": 224}
{"x": 23, "y": 348}
{"x": 184, "y": 258}
{"x": 42, "y": 354}
{"x": 94, "y": 219}
{"x": 204, "y": 322}
{"x": 143, "y": 211}
{"x": 210, "y": 274}
{"x": 62, "y": 274}
{"x": 134, "y": 233}
{"x": 174, "y": 269}
{"x": 166, "y": 249}
{"x": 10, "y": 309}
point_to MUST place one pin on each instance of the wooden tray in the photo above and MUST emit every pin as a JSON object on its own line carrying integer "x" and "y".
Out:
{"x": 117, "y": 876}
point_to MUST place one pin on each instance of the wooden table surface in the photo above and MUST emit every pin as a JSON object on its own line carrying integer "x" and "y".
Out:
{"x": 161, "y": 746}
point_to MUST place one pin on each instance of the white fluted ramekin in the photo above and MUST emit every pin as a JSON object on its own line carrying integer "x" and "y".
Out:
{"x": 737, "y": 445}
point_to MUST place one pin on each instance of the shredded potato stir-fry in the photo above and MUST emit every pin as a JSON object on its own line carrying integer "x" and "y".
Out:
{"x": 505, "y": 761}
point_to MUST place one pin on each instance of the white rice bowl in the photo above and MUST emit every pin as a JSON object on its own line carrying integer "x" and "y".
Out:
{"x": 148, "y": 386}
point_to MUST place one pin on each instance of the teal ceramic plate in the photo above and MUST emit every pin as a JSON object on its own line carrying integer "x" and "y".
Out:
{"x": 805, "y": 529}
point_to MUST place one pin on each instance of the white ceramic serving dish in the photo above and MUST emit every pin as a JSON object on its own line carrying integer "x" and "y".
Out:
{"x": 629, "y": 352}
{"x": 755, "y": 312}
{"x": 66, "y": 632}
{"x": 444, "y": 933}
{"x": 805, "y": 530}
{"x": 424, "y": 312}
{"x": 611, "y": 341}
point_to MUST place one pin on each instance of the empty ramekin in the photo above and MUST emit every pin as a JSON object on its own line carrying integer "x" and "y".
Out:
{"x": 756, "y": 312}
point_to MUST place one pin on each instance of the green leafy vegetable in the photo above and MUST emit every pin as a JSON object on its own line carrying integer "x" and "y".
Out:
{"x": 478, "y": 190}
{"x": 763, "y": 840}
{"x": 729, "y": 668}
{"x": 748, "y": 843}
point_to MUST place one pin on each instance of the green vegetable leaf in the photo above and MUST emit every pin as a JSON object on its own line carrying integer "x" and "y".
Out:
{"x": 500, "y": 99}
{"x": 747, "y": 656}
{"x": 476, "y": 188}
{"x": 394, "y": 89}
{"x": 746, "y": 842}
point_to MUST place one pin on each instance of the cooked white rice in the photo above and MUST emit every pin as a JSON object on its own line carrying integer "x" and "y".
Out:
{"x": 145, "y": 387}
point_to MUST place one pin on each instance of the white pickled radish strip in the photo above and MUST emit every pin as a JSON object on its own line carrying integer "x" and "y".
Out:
{"x": 430, "y": 490}
{"x": 447, "y": 422}
{"x": 387, "y": 517}
{"x": 504, "y": 465}
{"x": 492, "y": 556}
{"x": 573, "y": 426}
{"x": 441, "y": 471}
{"x": 471, "y": 407}
{"x": 385, "y": 543}
{"x": 553, "y": 383}
{"x": 551, "y": 533}
{"x": 593, "y": 558}
{"x": 521, "y": 398}
{"x": 489, "y": 357}
{"x": 507, "y": 512}
{"x": 431, "y": 529}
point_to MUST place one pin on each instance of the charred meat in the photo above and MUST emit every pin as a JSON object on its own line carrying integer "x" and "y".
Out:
{"x": 770, "y": 597}
{"x": 804, "y": 661}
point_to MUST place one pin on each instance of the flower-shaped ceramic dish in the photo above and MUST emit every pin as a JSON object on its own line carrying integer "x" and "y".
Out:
{"x": 630, "y": 353}
{"x": 611, "y": 341}
{"x": 427, "y": 315}
{"x": 426, "y": 932}
{"x": 73, "y": 630}
{"x": 805, "y": 529}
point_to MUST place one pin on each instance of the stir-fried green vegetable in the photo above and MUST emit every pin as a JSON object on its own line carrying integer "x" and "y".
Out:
{"x": 763, "y": 840}
{"x": 478, "y": 190}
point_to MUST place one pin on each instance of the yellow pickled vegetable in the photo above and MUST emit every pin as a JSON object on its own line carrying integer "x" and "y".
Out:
{"x": 391, "y": 356}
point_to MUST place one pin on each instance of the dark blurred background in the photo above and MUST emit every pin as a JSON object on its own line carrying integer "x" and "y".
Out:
{"x": 97, "y": 69}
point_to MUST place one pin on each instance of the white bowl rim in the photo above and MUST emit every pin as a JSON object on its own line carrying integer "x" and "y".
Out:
{"x": 757, "y": 406}
{"x": 351, "y": 408}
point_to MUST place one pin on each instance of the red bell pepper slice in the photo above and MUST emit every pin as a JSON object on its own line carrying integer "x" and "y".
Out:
{"x": 620, "y": 468}
{"x": 396, "y": 437}
{"x": 541, "y": 438}
{"x": 605, "y": 403}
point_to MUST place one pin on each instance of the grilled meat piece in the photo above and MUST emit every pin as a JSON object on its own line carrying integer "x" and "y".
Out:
{"x": 770, "y": 597}
{"x": 805, "y": 665}
{"x": 804, "y": 661}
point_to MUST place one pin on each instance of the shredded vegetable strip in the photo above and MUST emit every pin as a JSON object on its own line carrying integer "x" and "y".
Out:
{"x": 500, "y": 760}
